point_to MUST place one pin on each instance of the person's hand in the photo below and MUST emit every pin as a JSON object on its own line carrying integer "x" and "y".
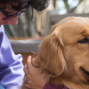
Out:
{"x": 33, "y": 80}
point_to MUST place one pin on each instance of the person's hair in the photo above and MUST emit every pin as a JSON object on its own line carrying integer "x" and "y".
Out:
{"x": 22, "y": 4}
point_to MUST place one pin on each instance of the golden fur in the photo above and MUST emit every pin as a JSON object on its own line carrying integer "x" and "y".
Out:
{"x": 65, "y": 52}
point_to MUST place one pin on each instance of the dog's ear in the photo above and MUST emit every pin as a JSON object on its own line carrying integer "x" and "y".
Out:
{"x": 50, "y": 56}
{"x": 53, "y": 28}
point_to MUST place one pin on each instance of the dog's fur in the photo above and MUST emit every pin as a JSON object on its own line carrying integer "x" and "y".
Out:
{"x": 63, "y": 55}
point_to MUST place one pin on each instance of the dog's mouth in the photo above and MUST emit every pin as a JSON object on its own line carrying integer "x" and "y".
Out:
{"x": 85, "y": 72}
{"x": 86, "y": 75}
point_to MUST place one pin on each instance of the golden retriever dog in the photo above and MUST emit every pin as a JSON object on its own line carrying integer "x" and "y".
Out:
{"x": 63, "y": 57}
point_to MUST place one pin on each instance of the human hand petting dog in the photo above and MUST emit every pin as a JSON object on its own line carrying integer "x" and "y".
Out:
{"x": 33, "y": 80}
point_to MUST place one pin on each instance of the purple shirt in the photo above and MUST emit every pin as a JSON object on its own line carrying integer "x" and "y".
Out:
{"x": 51, "y": 86}
{"x": 11, "y": 67}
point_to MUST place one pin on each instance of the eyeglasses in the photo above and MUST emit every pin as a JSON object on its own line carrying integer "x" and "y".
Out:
{"x": 13, "y": 15}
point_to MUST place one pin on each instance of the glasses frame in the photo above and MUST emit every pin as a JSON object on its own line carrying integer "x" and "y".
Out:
{"x": 11, "y": 16}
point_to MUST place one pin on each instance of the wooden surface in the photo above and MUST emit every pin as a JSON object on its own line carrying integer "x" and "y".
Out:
{"x": 25, "y": 55}
{"x": 25, "y": 38}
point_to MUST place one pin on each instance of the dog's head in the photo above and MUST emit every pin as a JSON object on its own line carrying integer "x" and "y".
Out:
{"x": 66, "y": 49}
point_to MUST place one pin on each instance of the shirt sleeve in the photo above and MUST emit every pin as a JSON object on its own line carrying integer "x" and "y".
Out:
{"x": 11, "y": 67}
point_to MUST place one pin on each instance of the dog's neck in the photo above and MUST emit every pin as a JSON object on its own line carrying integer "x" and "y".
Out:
{"x": 70, "y": 82}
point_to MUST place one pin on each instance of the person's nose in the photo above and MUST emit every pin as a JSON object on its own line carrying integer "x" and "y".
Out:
{"x": 13, "y": 21}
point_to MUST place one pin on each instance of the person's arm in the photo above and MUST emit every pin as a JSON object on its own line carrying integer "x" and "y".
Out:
{"x": 34, "y": 80}
{"x": 11, "y": 67}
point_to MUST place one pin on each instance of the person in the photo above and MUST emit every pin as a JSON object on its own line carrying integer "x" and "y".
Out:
{"x": 34, "y": 80}
{"x": 11, "y": 67}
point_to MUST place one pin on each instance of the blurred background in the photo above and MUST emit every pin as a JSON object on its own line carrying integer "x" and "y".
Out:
{"x": 40, "y": 25}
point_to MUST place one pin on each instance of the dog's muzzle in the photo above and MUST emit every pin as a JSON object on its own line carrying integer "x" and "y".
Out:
{"x": 86, "y": 73}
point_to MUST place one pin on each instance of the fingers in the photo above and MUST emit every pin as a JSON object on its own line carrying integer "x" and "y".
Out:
{"x": 27, "y": 85}
{"x": 29, "y": 65}
{"x": 34, "y": 64}
{"x": 26, "y": 70}
{"x": 29, "y": 68}
{"x": 26, "y": 82}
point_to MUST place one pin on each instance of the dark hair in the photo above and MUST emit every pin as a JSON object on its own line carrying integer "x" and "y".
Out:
{"x": 22, "y": 4}
{"x": 39, "y": 4}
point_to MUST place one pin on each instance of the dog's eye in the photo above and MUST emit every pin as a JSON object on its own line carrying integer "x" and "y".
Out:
{"x": 83, "y": 41}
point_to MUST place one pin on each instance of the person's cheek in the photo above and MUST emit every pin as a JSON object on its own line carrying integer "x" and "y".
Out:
{"x": 13, "y": 21}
